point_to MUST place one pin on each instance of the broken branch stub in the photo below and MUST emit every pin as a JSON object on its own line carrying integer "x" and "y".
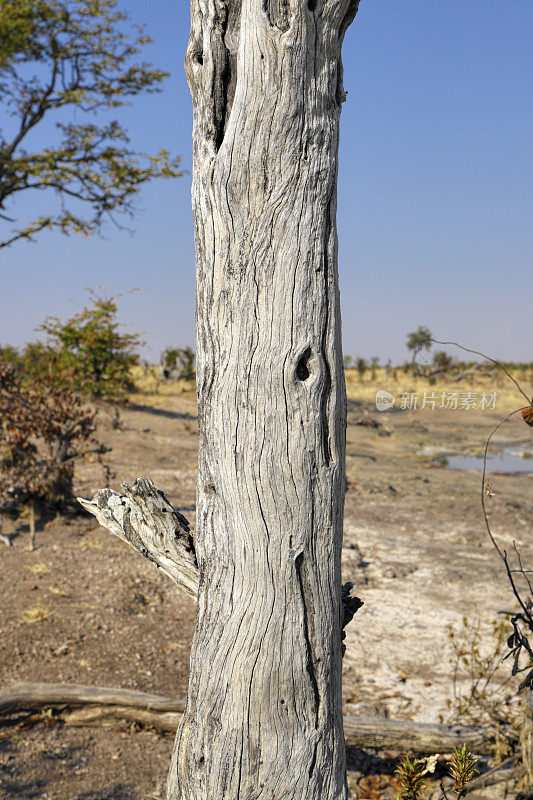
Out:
{"x": 143, "y": 518}
{"x": 350, "y": 605}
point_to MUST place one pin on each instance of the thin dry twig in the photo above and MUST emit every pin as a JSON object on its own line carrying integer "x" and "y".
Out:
{"x": 477, "y": 353}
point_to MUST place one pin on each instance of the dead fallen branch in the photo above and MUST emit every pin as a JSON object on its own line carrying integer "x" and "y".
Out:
{"x": 93, "y": 705}
{"x": 108, "y": 715}
{"x": 418, "y": 737}
{"x": 34, "y": 696}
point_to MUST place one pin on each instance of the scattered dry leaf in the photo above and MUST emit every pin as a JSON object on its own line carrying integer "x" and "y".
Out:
{"x": 58, "y": 590}
{"x": 371, "y": 786}
{"x": 36, "y": 614}
{"x": 40, "y": 568}
{"x": 431, "y": 762}
{"x": 94, "y": 543}
{"x": 527, "y": 414}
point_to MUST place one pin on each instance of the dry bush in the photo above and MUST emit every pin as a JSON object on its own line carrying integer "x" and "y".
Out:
{"x": 43, "y": 433}
{"x": 483, "y": 691}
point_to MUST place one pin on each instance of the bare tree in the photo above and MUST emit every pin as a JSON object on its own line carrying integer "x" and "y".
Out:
{"x": 263, "y": 714}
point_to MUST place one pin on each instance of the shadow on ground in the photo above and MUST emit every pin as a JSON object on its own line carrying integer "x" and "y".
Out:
{"x": 161, "y": 412}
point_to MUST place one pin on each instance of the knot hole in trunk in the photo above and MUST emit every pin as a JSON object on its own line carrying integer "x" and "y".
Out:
{"x": 302, "y": 371}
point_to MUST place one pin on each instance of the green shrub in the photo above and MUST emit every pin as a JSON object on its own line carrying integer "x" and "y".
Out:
{"x": 87, "y": 352}
{"x": 9, "y": 355}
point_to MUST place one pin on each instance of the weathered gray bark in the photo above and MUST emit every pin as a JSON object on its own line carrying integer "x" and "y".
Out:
{"x": 263, "y": 715}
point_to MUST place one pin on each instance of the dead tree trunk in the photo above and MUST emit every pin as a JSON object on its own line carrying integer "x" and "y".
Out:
{"x": 263, "y": 712}
{"x": 263, "y": 715}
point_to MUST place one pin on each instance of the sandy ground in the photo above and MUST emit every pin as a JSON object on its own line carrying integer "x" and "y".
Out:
{"x": 414, "y": 547}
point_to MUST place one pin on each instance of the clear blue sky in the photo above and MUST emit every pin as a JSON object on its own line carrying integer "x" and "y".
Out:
{"x": 435, "y": 189}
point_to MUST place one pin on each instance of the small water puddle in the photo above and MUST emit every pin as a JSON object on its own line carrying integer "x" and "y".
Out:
{"x": 511, "y": 459}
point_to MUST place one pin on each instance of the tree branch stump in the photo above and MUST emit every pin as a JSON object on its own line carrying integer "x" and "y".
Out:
{"x": 143, "y": 518}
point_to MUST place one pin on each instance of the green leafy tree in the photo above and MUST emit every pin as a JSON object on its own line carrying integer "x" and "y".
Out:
{"x": 419, "y": 340}
{"x": 77, "y": 56}
{"x": 361, "y": 366}
{"x": 36, "y": 361}
{"x": 9, "y": 355}
{"x": 89, "y": 351}
{"x": 442, "y": 361}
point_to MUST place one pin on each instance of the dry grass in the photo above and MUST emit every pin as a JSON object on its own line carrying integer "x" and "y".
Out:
{"x": 149, "y": 387}
{"x": 58, "y": 591}
{"x": 90, "y": 543}
{"x": 397, "y": 382}
{"x": 39, "y": 569}
{"x": 36, "y": 614}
